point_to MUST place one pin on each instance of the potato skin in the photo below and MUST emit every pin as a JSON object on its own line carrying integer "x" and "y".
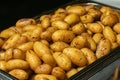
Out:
{"x": 19, "y": 74}
{"x": 90, "y": 55}
{"x": 76, "y": 56}
{"x": 103, "y": 48}
{"x": 97, "y": 37}
{"x": 71, "y": 72}
{"x": 63, "y": 35}
{"x": 62, "y": 60}
{"x": 3, "y": 65}
{"x": 58, "y": 46}
{"x": 116, "y": 28}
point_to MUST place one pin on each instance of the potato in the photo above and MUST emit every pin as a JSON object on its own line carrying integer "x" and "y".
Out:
{"x": 71, "y": 72}
{"x": 95, "y": 27}
{"x": 60, "y": 24}
{"x": 109, "y": 20}
{"x": 19, "y": 74}
{"x": 116, "y": 28}
{"x": 7, "y": 33}
{"x": 45, "y": 22}
{"x": 78, "y": 42}
{"x": 45, "y": 42}
{"x": 58, "y": 46}
{"x": 80, "y": 68}
{"x": 103, "y": 48}
{"x": 62, "y": 60}
{"x": 60, "y": 11}
{"x": 78, "y": 28}
{"x": 44, "y": 77}
{"x": 90, "y": 55}
{"x": 8, "y": 54}
{"x": 32, "y": 59}
{"x": 63, "y": 35}
{"x": 114, "y": 45}
{"x": 2, "y": 55}
{"x": 1, "y": 42}
{"x": 11, "y": 42}
{"x": 18, "y": 54}
{"x": 109, "y": 34}
{"x": 16, "y": 64}
{"x": 59, "y": 73}
{"x": 42, "y": 17}
{"x": 3, "y": 65}
{"x": 79, "y": 10}
{"x": 118, "y": 38}
{"x": 97, "y": 37}
{"x": 72, "y": 19}
{"x": 90, "y": 32}
{"x": 91, "y": 43}
{"x": 44, "y": 53}
{"x": 87, "y": 18}
{"x": 88, "y": 7}
{"x": 43, "y": 69}
{"x": 29, "y": 27}
{"x": 76, "y": 56}
{"x": 25, "y": 21}
{"x": 26, "y": 46}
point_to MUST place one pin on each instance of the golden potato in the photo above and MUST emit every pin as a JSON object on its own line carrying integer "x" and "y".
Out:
{"x": 97, "y": 37}
{"x": 3, "y": 65}
{"x": 45, "y": 42}
{"x": 32, "y": 59}
{"x": 114, "y": 45}
{"x": 118, "y": 38}
{"x": 63, "y": 35}
{"x": 19, "y": 74}
{"x": 2, "y": 55}
{"x": 44, "y": 77}
{"x": 78, "y": 28}
{"x": 44, "y": 53}
{"x": 71, "y": 72}
{"x": 76, "y": 56}
{"x": 16, "y": 64}
{"x": 29, "y": 27}
{"x": 80, "y": 68}
{"x": 90, "y": 55}
{"x": 1, "y": 42}
{"x": 58, "y": 46}
{"x": 72, "y": 19}
{"x": 59, "y": 73}
{"x": 103, "y": 48}
{"x": 62, "y": 60}
{"x": 78, "y": 42}
{"x": 79, "y": 10}
{"x": 109, "y": 34}
{"x": 43, "y": 69}
{"x": 45, "y": 23}
{"x": 116, "y": 28}
{"x": 8, "y": 54}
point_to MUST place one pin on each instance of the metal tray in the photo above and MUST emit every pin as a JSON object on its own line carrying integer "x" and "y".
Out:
{"x": 98, "y": 70}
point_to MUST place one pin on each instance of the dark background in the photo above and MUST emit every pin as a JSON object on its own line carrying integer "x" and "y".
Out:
{"x": 12, "y": 10}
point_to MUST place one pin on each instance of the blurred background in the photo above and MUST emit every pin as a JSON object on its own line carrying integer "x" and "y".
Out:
{"x": 12, "y": 10}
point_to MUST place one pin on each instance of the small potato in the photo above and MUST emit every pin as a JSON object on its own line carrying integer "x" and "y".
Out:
{"x": 91, "y": 43}
{"x": 71, "y": 72}
{"x": 18, "y": 54}
{"x": 86, "y": 18}
{"x": 91, "y": 57}
{"x": 16, "y": 64}
{"x": 2, "y": 55}
{"x": 45, "y": 23}
{"x": 58, "y": 46}
{"x": 109, "y": 20}
{"x": 42, "y": 17}
{"x": 52, "y": 29}
{"x": 32, "y": 59}
{"x": 60, "y": 11}
{"x": 72, "y": 19}
{"x": 80, "y": 68}
{"x": 62, "y": 60}
{"x": 1, "y": 42}
{"x": 118, "y": 38}
{"x": 26, "y": 46}
{"x": 78, "y": 28}
{"x": 78, "y": 42}
{"x": 95, "y": 27}
{"x": 59, "y": 73}
{"x": 44, "y": 77}
{"x": 76, "y": 56}
{"x": 19, "y": 74}
{"x": 29, "y": 28}
{"x": 103, "y": 48}
{"x": 76, "y": 9}
{"x": 43, "y": 69}
{"x": 44, "y": 53}
{"x": 114, "y": 45}
{"x": 109, "y": 34}
{"x": 116, "y": 28}
{"x": 60, "y": 24}
{"x": 97, "y": 37}
{"x": 3, "y": 65}
{"x": 8, "y": 54}
{"x": 7, "y": 33}
{"x": 25, "y": 21}
{"x": 63, "y": 35}
{"x": 27, "y": 34}
{"x": 11, "y": 42}
{"x": 45, "y": 42}
{"x": 46, "y": 35}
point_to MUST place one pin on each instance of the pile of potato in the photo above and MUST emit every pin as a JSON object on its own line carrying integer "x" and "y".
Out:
{"x": 59, "y": 44}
